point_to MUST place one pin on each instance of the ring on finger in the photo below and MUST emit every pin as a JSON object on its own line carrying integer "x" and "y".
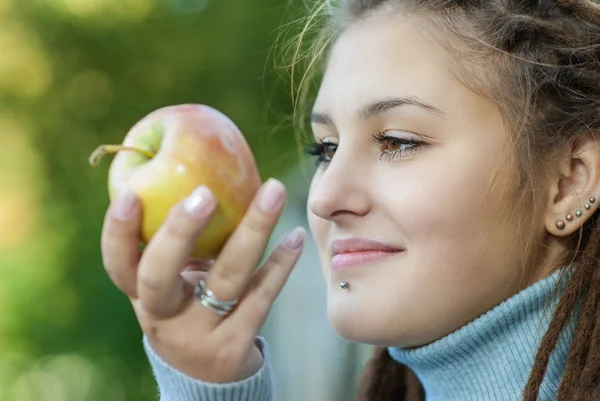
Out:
{"x": 207, "y": 298}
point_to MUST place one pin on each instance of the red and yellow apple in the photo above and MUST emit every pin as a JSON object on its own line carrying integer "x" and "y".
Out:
{"x": 176, "y": 149}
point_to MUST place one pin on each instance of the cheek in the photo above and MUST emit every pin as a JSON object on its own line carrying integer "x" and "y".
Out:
{"x": 462, "y": 245}
{"x": 452, "y": 209}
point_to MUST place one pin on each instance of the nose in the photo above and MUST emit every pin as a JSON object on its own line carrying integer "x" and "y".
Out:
{"x": 340, "y": 190}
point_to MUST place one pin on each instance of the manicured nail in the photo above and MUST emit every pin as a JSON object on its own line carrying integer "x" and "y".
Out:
{"x": 200, "y": 202}
{"x": 271, "y": 195}
{"x": 124, "y": 206}
{"x": 295, "y": 239}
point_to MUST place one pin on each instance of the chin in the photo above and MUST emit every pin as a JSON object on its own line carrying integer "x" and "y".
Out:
{"x": 356, "y": 323}
{"x": 356, "y": 320}
{"x": 348, "y": 330}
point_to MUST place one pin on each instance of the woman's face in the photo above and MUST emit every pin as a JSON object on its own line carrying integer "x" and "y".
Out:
{"x": 411, "y": 162}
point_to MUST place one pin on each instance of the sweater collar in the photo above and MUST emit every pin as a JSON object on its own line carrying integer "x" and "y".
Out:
{"x": 491, "y": 357}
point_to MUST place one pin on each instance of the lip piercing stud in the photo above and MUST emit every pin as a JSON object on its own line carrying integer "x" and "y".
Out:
{"x": 344, "y": 285}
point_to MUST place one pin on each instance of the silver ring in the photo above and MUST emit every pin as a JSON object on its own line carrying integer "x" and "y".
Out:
{"x": 207, "y": 298}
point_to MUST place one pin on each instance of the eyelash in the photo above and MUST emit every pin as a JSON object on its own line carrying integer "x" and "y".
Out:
{"x": 319, "y": 149}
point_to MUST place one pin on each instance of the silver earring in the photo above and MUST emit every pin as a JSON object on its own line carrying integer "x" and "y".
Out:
{"x": 344, "y": 285}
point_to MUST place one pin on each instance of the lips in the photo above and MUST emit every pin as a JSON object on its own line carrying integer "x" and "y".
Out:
{"x": 361, "y": 245}
{"x": 356, "y": 252}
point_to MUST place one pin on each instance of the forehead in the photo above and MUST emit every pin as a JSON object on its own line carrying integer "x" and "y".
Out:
{"x": 387, "y": 55}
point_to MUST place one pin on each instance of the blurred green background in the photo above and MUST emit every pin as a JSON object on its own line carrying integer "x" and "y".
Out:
{"x": 75, "y": 74}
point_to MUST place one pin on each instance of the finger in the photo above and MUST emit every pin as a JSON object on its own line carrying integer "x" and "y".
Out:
{"x": 230, "y": 273}
{"x": 193, "y": 277}
{"x": 199, "y": 264}
{"x": 268, "y": 281}
{"x": 161, "y": 288}
{"x": 195, "y": 271}
{"x": 119, "y": 243}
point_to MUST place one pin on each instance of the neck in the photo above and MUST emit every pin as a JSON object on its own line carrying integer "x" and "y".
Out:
{"x": 491, "y": 357}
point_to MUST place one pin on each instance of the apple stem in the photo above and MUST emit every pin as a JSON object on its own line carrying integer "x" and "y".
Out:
{"x": 102, "y": 150}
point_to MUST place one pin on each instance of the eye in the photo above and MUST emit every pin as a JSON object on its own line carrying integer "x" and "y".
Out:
{"x": 322, "y": 150}
{"x": 329, "y": 150}
{"x": 392, "y": 147}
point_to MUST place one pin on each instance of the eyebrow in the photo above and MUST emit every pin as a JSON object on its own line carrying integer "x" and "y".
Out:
{"x": 380, "y": 106}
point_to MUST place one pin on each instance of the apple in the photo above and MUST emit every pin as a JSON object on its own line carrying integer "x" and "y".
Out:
{"x": 172, "y": 151}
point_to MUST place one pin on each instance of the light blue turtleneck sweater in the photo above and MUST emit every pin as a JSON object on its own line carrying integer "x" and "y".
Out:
{"x": 488, "y": 359}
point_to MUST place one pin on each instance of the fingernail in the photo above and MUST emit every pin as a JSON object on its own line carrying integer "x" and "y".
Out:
{"x": 295, "y": 239}
{"x": 271, "y": 195}
{"x": 124, "y": 206}
{"x": 200, "y": 202}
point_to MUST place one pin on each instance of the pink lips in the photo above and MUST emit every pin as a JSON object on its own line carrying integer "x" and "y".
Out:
{"x": 357, "y": 252}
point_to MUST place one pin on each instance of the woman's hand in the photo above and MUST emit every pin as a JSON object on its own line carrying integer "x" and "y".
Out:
{"x": 186, "y": 334}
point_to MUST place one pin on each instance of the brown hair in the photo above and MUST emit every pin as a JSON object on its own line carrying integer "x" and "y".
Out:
{"x": 546, "y": 58}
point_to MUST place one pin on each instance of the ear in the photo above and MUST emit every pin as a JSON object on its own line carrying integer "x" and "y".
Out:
{"x": 574, "y": 187}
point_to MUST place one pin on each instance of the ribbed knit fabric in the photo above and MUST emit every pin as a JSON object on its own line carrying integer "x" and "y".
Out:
{"x": 490, "y": 359}
{"x": 176, "y": 386}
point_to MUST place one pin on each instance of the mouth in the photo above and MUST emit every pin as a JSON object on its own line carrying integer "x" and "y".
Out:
{"x": 358, "y": 252}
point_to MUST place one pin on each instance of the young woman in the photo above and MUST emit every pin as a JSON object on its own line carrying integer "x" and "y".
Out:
{"x": 454, "y": 209}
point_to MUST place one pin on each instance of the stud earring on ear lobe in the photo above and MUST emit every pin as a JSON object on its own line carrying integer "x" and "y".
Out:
{"x": 560, "y": 224}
